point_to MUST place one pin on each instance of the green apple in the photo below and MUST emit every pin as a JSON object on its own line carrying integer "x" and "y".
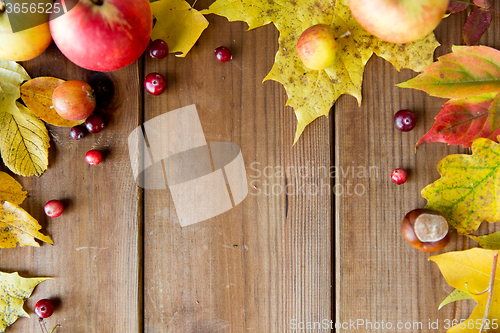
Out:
{"x": 317, "y": 47}
{"x": 399, "y": 21}
{"x": 25, "y": 44}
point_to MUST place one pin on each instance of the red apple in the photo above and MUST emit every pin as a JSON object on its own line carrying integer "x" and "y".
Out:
{"x": 317, "y": 47}
{"x": 399, "y": 21}
{"x": 103, "y": 35}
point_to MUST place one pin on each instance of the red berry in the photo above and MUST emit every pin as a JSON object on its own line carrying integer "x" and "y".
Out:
{"x": 405, "y": 120}
{"x": 93, "y": 157}
{"x": 223, "y": 54}
{"x": 44, "y": 308}
{"x": 53, "y": 208}
{"x": 158, "y": 49}
{"x": 399, "y": 176}
{"x": 155, "y": 83}
{"x": 77, "y": 132}
{"x": 94, "y": 124}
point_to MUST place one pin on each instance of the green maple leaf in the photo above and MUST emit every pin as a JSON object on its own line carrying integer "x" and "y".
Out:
{"x": 468, "y": 191}
{"x": 311, "y": 92}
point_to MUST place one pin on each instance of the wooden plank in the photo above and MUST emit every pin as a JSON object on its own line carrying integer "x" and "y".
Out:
{"x": 96, "y": 257}
{"x": 379, "y": 277}
{"x": 268, "y": 260}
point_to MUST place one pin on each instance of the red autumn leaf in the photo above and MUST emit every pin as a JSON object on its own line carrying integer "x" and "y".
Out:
{"x": 475, "y": 26}
{"x": 483, "y": 3}
{"x": 461, "y": 121}
{"x": 457, "y": 6}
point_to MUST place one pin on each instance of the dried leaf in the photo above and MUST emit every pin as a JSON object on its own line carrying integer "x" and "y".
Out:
{"x": 491, "y": 241}
{"x": 476, "y": 25}
{"x": 457, "y": 6}
{"x": 14, "y": 291}
{"x": 11, "y": 190}
{"x": 483, "y": 3}
{"x": 471, "y": 267}
{"x": 37, "y": 95}
{"x": 13, "y": 73}
{"x": 494, "y": 113}
{"x": 468, "y": 191}
{"x": 24, "y": 141}
{"x": 461, "y": 121}
{"x": 456, "y": 295}
{"x": 17, "y": 226}
{"x": 468, "y": 71}
{"x": 178, "y": 24}
{"x": 312, "y": 93}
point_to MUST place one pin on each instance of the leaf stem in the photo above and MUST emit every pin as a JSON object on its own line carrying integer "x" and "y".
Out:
{"x": 52, "y": 331}
{"x": 345, "y": 34}
{"x": 475, "y": 294}
{"x": 490, "y": 293}
{"x": 42, "y": 325}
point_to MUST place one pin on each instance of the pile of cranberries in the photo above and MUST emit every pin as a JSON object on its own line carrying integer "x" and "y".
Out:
{"x": 93, "y": 124}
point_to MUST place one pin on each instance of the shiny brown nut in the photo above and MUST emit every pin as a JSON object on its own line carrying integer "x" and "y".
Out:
{"x": 425, "y": 229}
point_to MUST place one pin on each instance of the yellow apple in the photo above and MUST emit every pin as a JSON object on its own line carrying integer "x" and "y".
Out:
{"x": 317, "y": 47}
{"x": 22, "y": 45}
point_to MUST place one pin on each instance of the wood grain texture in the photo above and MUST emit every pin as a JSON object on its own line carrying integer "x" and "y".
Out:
{"x": 268, "y": 260}
{"x": 379, "y": 277}
{"x": 122, "y": 263}
{"x": 96, "y": 256}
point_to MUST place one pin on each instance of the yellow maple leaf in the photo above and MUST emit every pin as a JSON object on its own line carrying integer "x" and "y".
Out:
{"x": 14, "y": 291}
{"x": 37, "y": 95}
{"x": 11, "y": 190}
{"x": 178, "y": 24}
{"x": 310, "y": 92}
{"x": 472, "y": 267}
{"x": 468, "y": 191}
{"x": 18, "y": 227}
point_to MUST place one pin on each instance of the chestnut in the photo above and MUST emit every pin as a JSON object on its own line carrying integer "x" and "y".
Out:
{"x": 425, "y": 229}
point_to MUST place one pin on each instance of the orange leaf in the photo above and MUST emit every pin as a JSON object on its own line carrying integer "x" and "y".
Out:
{"x": 37, "y": 95}
{"x": 468, "y": 71}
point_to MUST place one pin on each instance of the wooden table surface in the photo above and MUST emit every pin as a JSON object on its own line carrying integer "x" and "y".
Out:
{"x": 122, "y": 263}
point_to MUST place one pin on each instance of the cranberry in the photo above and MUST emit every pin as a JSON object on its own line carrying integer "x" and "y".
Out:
{"x": 405, "y": 120}
{"x": 155, "y": 83}
{"x": 94, "y": 124}
{"x": 44, "y": 308}
{"x": 158, "y": 49}
{"x": 77, "y": 132}
{"x": 223, "y": 54}
{"x": 93, "y": 157}
{"x": 53, "y": 208}
{"x": 399, "y": 176}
